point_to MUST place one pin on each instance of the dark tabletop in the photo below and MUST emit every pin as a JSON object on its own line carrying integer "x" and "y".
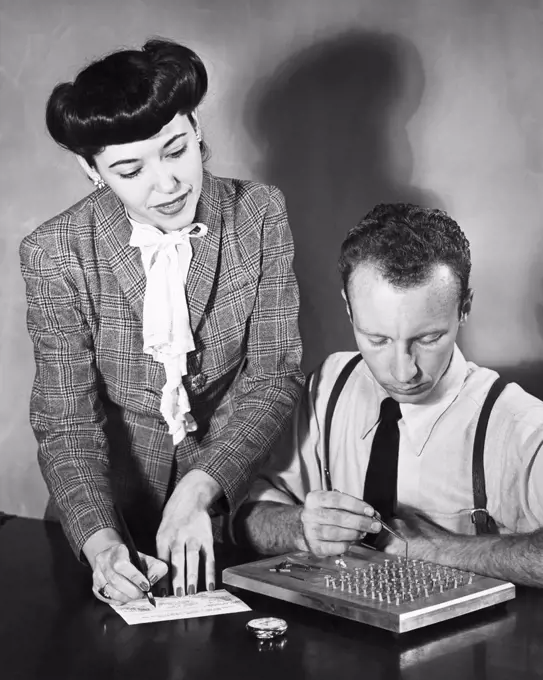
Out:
{"x": 52, "y": 627}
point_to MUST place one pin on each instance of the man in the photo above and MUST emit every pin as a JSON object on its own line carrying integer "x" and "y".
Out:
{"x": 405, "y": 277}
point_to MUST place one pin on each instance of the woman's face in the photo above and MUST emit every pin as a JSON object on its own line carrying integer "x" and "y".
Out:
{"x": 158, "y": 179}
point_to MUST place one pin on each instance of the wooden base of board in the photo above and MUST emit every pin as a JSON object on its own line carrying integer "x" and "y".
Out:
{"x": 308, "y": 583}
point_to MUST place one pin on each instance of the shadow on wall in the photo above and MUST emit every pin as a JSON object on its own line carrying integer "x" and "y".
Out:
{"x": 332, "y": 120}
{"x": 528, "y": 374}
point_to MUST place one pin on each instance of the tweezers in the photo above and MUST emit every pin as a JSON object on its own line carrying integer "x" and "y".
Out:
{"x": 391, "y": 531}
{"x": 395, "y": 534}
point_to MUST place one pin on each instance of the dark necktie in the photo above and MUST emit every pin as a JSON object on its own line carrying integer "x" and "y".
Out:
{"x": 381, "y": 484}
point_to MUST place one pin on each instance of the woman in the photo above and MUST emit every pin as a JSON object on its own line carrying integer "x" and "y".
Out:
{"x": 163, "y": 312}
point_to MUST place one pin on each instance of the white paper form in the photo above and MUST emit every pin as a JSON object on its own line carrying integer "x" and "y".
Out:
{"x": 187, "y": 607}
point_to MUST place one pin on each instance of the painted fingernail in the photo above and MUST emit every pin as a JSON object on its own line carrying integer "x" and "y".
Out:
{"x": 144, "y": 586}
{"x": 211, "y": 587}
{"x": 163, "y": 592}
{"x": 191, "y": 590}
{"x": 375, "y": 526}
{"x": 153, "y": 579}
{"x": 179, "y": 591}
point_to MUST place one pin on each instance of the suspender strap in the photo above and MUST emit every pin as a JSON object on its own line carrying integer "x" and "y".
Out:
{"x": 484, "y": 524}
{"x": 330, "y": 408}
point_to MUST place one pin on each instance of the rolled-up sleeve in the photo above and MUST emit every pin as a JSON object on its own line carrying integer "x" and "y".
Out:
{"x": 530, "y": 480}
{"x": 295, "y": 467}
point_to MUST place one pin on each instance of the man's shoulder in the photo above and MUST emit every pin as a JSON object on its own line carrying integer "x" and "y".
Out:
{"x": 515, "y": 404}
{"x": 522, "y": 406}
{"x": 323, "y": 378}
{"x": 334, "y": 364}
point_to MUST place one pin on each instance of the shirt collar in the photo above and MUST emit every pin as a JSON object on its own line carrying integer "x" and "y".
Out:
{"x": 139, "y": 225}
{"x": 149, "y": 227}
{"x": 419, "y": 419}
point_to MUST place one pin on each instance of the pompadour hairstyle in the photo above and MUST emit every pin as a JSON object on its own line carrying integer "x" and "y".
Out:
{"x": 127, "y": 96}
{"x": 405, "y": 242}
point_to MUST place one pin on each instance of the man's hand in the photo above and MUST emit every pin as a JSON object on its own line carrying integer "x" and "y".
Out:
{"x": 332, "y": 520}
{"x": 114, "y": 577}
{"x": 185, "y": 532}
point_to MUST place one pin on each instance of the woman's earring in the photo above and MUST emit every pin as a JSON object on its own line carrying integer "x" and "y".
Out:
{"x": 98, "y": 182}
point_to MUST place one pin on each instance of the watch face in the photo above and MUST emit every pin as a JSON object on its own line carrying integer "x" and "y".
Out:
{"x": 268, "y": 627}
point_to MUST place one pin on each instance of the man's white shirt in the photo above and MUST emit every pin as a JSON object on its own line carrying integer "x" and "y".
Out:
{"x": 436, "y": 447}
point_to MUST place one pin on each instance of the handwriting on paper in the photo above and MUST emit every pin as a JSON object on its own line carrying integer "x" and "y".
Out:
{"x": 188, "y": 607}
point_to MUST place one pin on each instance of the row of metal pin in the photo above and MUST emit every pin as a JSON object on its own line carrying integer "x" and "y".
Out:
{"x": 398, "y": 581}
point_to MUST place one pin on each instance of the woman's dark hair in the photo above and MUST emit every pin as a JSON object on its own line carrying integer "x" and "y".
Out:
{"x": 405, "y": 242}
{"x": 125, "y": 97}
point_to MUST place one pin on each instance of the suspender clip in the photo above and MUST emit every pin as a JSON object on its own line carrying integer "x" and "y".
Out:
{"x": 475, "y": 519}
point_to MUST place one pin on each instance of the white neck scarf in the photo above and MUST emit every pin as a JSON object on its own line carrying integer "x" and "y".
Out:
{"x": 167, "y": 335}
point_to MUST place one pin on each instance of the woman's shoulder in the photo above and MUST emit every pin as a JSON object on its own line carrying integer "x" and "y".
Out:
{"x": 240, "y": 191}
{"x": 73, "y": 222}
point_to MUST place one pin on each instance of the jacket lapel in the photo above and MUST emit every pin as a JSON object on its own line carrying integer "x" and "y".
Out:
{"x": 113, "y": 232}
{"x": 203, "y": 267}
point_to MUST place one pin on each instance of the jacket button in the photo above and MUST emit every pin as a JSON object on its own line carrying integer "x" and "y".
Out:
{"x": 198, "y": 381}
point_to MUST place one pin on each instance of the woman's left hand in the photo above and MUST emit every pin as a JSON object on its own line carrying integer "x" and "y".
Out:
{"x": 185, "y": 532}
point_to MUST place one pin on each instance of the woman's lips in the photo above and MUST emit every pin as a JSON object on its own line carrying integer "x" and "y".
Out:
{"x": 172, "y": 207}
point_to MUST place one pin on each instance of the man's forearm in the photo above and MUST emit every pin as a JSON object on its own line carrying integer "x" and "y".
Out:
{"x": 274, "y": 528}
{"x": 517, "y": 558}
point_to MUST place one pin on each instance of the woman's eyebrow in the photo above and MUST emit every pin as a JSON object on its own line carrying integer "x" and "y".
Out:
{"x": 135, "y": 160}
{"x": 124, "y": 160}
{"x": 173, "y": 139}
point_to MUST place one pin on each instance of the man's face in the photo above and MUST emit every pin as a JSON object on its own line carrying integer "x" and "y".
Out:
{"x": 406, "y": 336}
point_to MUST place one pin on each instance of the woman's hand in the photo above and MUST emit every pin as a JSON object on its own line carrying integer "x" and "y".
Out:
{"x": 185, "y": 532}
{"x": 114, "y": 577}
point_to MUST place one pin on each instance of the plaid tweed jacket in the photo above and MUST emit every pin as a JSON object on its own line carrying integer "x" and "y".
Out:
{"x": 95, "y": 405}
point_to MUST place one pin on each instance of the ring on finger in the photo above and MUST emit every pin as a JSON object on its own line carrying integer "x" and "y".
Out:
{"x": 103, "y": 592}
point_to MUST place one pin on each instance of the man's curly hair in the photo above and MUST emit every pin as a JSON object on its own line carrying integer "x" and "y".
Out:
{"x": 405, "y": 242}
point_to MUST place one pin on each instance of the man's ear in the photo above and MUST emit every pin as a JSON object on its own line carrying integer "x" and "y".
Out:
{"x": 466, "y": 307}
{"x": 347, "y": 304}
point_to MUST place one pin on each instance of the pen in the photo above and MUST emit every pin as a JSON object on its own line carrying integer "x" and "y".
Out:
{"x": 132, "y": 551}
